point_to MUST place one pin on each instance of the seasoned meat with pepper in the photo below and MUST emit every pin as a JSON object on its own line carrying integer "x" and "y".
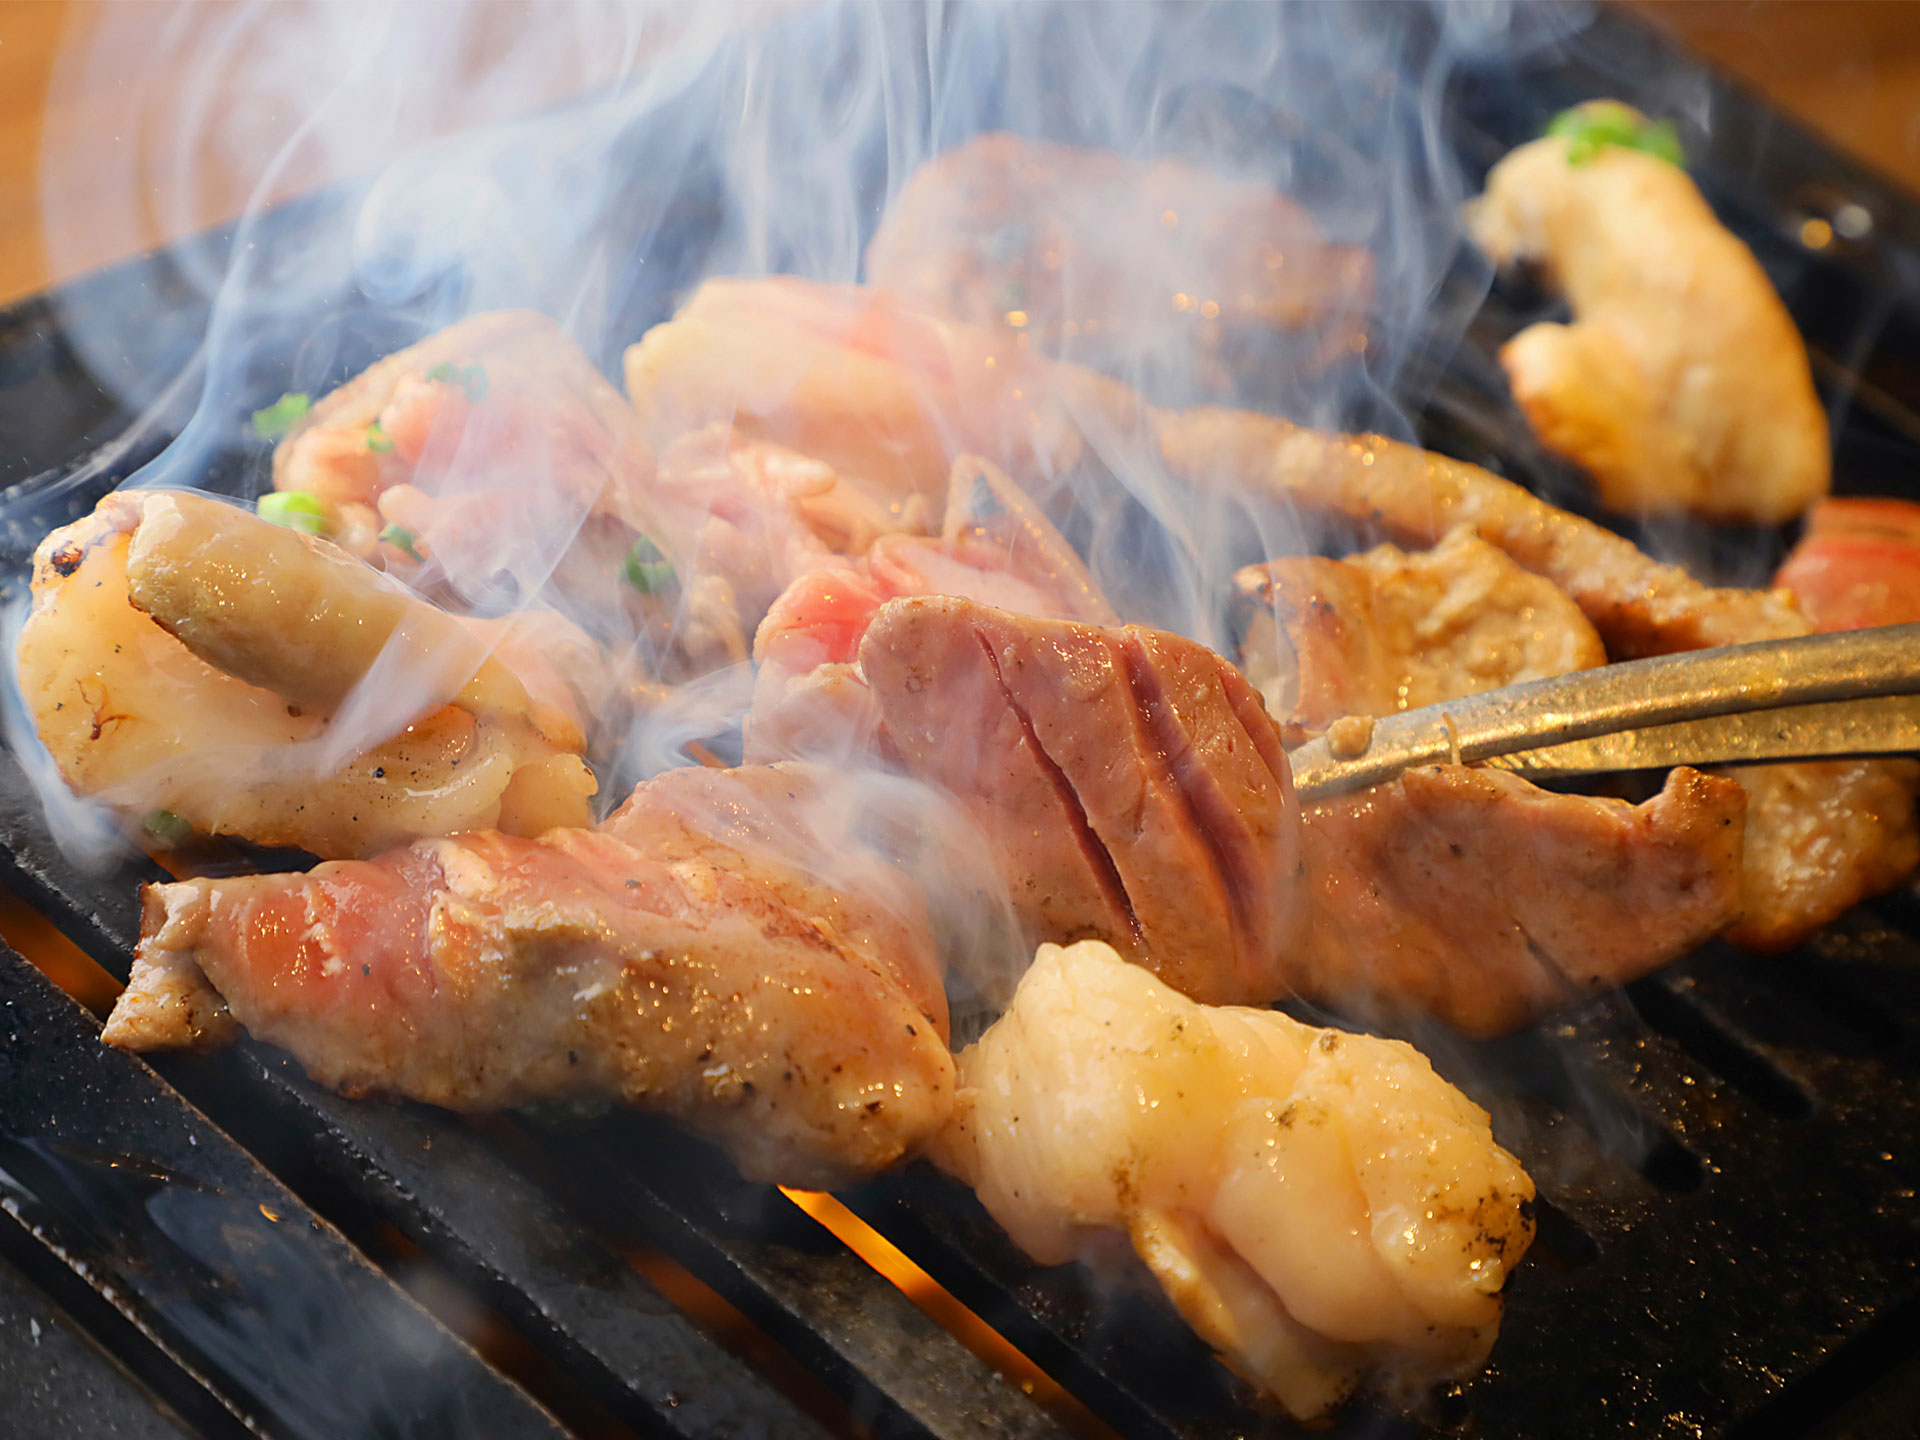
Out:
{"x": 712, "y": 953}
{"x": 1317, "y": 1205}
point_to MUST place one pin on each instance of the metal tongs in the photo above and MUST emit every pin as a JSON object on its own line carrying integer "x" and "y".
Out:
{"x": 1814, "y": 697}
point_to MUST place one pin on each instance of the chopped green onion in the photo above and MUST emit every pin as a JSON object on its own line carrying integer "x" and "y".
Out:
{"x": 295, "y": 509}
{"x": 167, "y": 828}
{"x": 647, "y": 570}
{"x": 377, "y": 439}
{"x": 1590, "y": 128}
{"x": 274, "y": 421}
{"x": 401, "y": 537}
{"x": 470, "y": 378}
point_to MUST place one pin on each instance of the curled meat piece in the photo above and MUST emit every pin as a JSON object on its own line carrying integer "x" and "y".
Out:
{"x": 1317, "y": 1205}
{"x": 1390, "y": 630}
{"x": 1116, "y": 261}
{"x": 1682, "y": 383}
{"x": 994, "y": 546}
{"x": 1638, "y": 605}
{"x": 886, "y": 393}
{"x": 186, "y": 659}
{"x": 1136, "y": 792}
{"x": 708, "y": 954}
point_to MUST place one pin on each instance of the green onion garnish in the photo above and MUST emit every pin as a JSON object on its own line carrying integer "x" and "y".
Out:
{"x": 167, "y": 828}
{"x": 274, "y": 421}
{"x": 295, "y": 509}
{"x": 401, "y": 537}
{"x": 646, "y": 569}
{"x": 470, "y": 378}
{"x": 1590, "y": 128}
{"x": 377, "y": 439}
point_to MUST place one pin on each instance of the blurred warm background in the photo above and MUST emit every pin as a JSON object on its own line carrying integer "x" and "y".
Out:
{"x": 1849, "y": 68}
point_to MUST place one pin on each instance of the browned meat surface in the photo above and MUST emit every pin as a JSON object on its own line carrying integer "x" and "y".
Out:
{"x": 1109, "y": 259}
{"x": 1818, "y": 839}
{"x": 707, "y": 954}
{"x": 1821, "y": 837}
{"x": 1130, "y": 780}
{"x": 1392, "y": 630}
{"x": 1135, "y": 791}
{"x": 1481, "y": 899}
{"x": 1639, "y": 606}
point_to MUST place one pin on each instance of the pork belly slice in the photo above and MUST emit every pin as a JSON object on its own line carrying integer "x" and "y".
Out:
{"x": 1114, "y": 770}
{"x": 1317, "y": 1205}
{"x": 709, "y": 954}
{"x": 1475, "y": 896}
{"x": 1136, "y": 792}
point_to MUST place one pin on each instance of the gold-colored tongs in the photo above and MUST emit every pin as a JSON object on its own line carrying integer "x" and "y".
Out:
{"x": 1810, "y": 698}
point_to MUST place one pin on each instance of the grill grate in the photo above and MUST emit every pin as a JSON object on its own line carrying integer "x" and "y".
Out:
{"x": 1728, "y": 1154}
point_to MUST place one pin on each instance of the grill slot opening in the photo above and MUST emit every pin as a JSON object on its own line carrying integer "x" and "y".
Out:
{"x": 1560, "y": 1239}
{"x": 1665, "y": 1007}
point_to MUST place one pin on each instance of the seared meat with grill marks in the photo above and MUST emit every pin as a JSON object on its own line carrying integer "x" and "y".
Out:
{"x": 710, "y": 953}
{"x": 1137, "y": 793}
{"x": 1316, "y": 1204}
{"x": 1391, "y": 630}
{"x": 1079, "y": 251}
{"x": 1131, "y": 779}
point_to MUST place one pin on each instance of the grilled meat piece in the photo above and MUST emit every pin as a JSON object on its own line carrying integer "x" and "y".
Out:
{"x": 1857, "y": 564}
{"x": 1130, "y": 779}
{"x": 1863, "y": 836}
{"x": 1682, "y": 383}
{"x": 710, "y": 953}
{"x": 186, "y": 658}
{"x": 1639, "y": 606}
{"x": 1316, "y": 1204}
{"x": 1136, "y": 792}
{"x": 809, "y": 700}
{"x": 1392, "y": 630}
{"x": 1079, "y": 251}
{"x": 1475, "y": 896}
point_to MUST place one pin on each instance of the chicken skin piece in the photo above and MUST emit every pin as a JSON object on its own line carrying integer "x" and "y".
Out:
{"x": 1393, "y": 630}
{"x": 708, "y": 954}
{"x": 1682, "y": 383}
{"x": 185, "y": 658}
{"x": 1317, "y": 1205}
{"x": 1135, "y": 791}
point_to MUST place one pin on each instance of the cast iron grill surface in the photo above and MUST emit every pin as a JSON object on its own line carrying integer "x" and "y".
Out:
{"x": 1728, "y": 1154}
